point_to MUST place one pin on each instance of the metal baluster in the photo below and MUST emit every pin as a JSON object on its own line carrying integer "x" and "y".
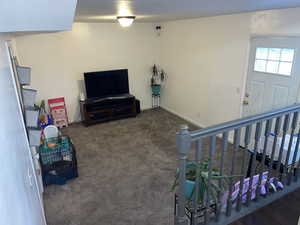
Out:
{"x": 243, "y": 167}
{"x": 285, "y": 129}
{"x": 297, "y": 168}
{"x": 253, "y": 161}
{"x": 183, "y": 147}
{"x": 286, "y": 164}
{"x": 223, "y": 150}
{"x": 195, "y": 199}
{"x": 263, "y": 160}
{"x": 276, "y": 133}
{"x": 297, "y": 171}
{"x": 294, "y": 167}
{"x": 236, "y": 143}
{"x": 209, "y": 192}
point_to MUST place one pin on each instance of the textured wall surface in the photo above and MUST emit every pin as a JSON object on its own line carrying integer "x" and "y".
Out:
{"x": 19, "y": 197}
{"x": 58, "y": 60}
{"x": 206, "y": 60}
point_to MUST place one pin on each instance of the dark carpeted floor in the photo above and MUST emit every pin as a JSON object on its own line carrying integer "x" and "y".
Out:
{"x": 126, "y": 169}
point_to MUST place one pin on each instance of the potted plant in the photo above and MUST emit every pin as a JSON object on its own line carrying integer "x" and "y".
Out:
{"x": 201, "y": 168}
{"x": 157, "y": 78}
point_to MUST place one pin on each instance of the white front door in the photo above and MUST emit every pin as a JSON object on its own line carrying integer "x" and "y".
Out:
{"x": 273, "y": 77}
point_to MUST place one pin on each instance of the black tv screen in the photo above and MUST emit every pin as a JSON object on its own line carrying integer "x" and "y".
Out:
{"x": 106, "y": 83}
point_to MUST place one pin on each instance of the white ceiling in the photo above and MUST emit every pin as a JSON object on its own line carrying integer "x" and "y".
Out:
{"x": 36, "y": 15}
{"x": 165, "y": 10}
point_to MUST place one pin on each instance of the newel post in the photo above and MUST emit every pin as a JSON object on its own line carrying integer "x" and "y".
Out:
{"x": 183, "y": 142}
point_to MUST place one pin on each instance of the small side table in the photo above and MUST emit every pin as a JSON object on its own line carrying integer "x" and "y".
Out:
{"x": 155, "y": 101}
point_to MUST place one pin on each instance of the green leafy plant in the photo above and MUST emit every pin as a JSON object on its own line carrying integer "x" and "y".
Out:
{"x": 218, "y": 183}
{"x": 158, "y": 75}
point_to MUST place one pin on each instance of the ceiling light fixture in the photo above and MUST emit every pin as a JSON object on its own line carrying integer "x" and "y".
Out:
{"x": 125, "y": 21}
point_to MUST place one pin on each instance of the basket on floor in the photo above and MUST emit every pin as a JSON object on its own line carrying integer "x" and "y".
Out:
{"x": 58, "y": 160}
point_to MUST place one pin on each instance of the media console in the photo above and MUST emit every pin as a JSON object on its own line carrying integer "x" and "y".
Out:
{"x": 110, "y": 108}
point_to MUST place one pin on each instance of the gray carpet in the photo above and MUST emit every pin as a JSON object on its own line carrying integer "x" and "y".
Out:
{"x": 126, "y": 168}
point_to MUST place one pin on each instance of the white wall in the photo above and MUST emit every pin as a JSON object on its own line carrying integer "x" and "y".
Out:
{"x": 206, "y": 61}
{"x": 58, "y": 60}
{"x": 19, "y": 198}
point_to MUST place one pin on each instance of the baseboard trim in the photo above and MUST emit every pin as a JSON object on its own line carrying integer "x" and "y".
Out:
{"x": 195, "y": 123}
{"x": 146, "y": 108}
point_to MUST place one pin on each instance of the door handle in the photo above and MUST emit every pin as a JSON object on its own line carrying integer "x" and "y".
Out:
{"x": 245, "y": 102}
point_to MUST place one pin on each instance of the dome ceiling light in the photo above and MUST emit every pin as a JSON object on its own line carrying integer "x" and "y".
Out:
{"x": 125, "y": 21}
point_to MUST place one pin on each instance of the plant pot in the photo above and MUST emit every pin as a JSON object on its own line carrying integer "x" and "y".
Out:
{"x": 190, "y": 186}
{"x": 155, "y": 89}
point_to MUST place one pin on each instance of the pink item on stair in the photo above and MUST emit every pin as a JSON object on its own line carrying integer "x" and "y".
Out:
{"x": 58, "y": 111}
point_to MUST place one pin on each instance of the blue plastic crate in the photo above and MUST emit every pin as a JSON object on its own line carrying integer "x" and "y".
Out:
{"x": 61, "y": 150}
{"x": 58, "y": 162}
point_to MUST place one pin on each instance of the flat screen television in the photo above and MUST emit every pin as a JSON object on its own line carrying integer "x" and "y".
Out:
{"x": 106, "y": 83}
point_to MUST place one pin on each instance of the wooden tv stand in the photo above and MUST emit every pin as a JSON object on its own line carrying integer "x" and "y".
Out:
{"x": 105, "y": 109}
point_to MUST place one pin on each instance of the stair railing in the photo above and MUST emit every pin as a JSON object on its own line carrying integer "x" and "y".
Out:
{"x": 261, "y": 149}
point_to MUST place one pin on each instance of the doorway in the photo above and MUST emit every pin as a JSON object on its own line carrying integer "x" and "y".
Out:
{"x": 273, "y": 77}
